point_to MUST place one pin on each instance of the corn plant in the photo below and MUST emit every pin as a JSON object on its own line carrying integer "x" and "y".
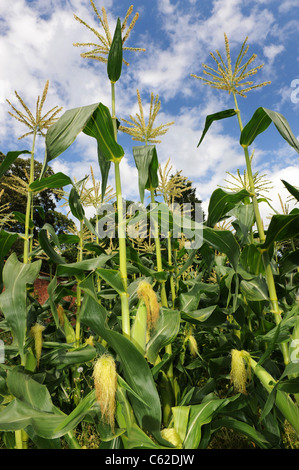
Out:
{"x": 179, "y": 339}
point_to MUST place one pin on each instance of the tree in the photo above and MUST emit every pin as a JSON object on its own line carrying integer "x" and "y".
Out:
{"x": 14, "y": 185}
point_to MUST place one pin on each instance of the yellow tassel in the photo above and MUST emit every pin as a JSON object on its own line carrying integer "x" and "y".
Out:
{"x": 240, "y": 372}
{"x": 193, "y": 346}
{"x": 37, "y": 333}
{"x": 105, "y": 382}
{"x": 60, "y": 312}
{"x": 149, "y": 297}
{"x": 170, "y": 435}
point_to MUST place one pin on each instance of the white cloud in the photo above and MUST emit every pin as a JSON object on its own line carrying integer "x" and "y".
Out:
{"x": 272, "y": 50}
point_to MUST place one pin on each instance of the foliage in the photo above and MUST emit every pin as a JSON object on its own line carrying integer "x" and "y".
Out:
{"x": 166, "y": 346}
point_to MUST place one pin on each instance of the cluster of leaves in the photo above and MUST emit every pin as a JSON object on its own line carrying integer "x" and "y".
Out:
{"x": 174, "y": 386}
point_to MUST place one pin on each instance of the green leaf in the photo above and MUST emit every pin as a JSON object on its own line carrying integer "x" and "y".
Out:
{"x": 164, "y": 332}
{"x": 135, "y": 368}
{"x": 180, "y": 418}
{"x": 9, "y": 159}
{"x": 115, "y": 56}
{"x": 75, "y": 204}
{"x": 260, "y": 121}
{"x": 243, "y": 428}
{"x": 209, "y": 316}
{"x": 59, "y": 358}
{"x": 222, "y": 202}
{"x": 13, "y": 304}
{"x": 282, "y": 227}
{"x": 245, "y": 218}
{"x": 289, "y": 262}
{"x": 94, "y": 120}
{"x": 7, "y": 239}
{"x": 146, "y": 160}
{"x": 113, "y": 278}
{"x": 33, "y": 407}
{"x": 64, "y": 132}
{"x": 100, "y": 126}
{"x": 294, "y": 191}
{"x": 252, "y": 260}
{"x": 223, "y": 241}
{"x": 254, "y": 290}
{"x": 25, "y": 388}
{"x": 20, "y": 217}
{"x": 51, "y": 182}
{"x": 199, "y": 415}
{"x": 91, "y": 264}
{"x": 46, "y": 245}
{"x": 215, "y": 117}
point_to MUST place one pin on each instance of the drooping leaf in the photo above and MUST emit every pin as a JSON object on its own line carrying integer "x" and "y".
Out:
{"x": 223, "y": 241}
{"x": 113, "y": 278}
{"x": 94, "y": 120}
{"x": 64, "y": 132}
{"x": 294, "y": 191}
{"x": 46, "y": 245}
{"x": 9, "y": 159}
{"x": 147, "y": 164}
{"x": 260, "y": 121}
{"x": 243, "y": 428}
{"x": 59, "y": 180}
{"x": 289, "y": 262}
{"x": 282, "y": 227}
{"x": 215, "y": 117}
{"x": 222, "y": 202}
{"x": 91, "y": 264}
{"x": 76, "y": 205}
{"x": 100, "y": 126}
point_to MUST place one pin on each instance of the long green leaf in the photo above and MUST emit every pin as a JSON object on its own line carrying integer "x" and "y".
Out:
{"x": 260, "y": 121}
{"x": 282, "y": 227}
{"x": 199, "y": 415}
{"x": 135, "y": 369}
{"x": 16, "y": 276}
{"x": 100, "y": 126}
{"x": 222, "y": 202}
{"x": 9, "y": 160}
{"x": 46, "y": 245}
{"x": 6, "y": 241}
{"x": 215, "y": 117}
{"x": 147, "y": 164}
{"x": 209, "y": 316}
{"x": 254, "y": 290}
{"x": 164, "y": 332}
{"x": 289, "y": 262}
{"x": 51, "y": 182}
{"x": 75, "y": 205}
{"x": 223, "y": 241}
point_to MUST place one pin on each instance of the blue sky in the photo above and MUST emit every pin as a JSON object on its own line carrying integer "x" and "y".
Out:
{"x": 36, "y": 44}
